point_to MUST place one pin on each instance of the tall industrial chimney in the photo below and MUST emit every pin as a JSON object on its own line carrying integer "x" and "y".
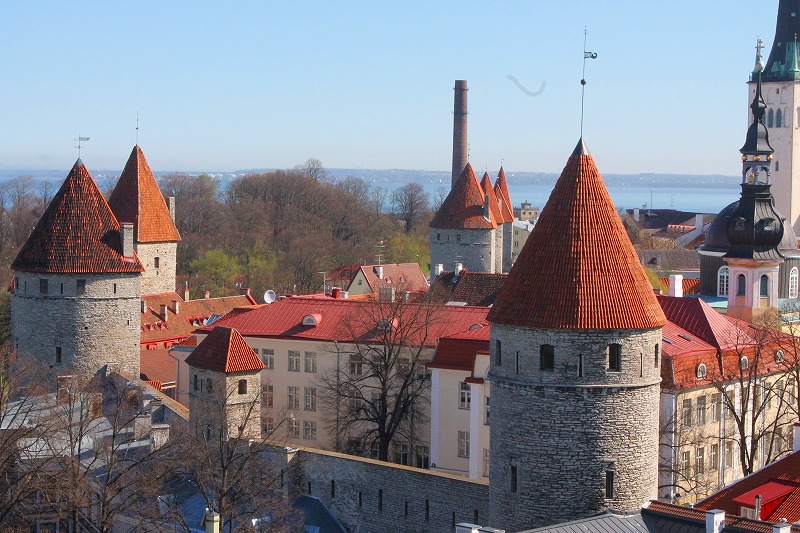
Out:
{"x": 460, "y": 148}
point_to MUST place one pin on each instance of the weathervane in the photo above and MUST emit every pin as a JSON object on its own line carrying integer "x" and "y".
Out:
{"x": 80, "y": 139}
{"x": 137, "y": 128}
{"x": 586, "y": 55}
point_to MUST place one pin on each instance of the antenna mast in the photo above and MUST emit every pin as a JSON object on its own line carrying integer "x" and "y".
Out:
{"x": 586, "y": 55}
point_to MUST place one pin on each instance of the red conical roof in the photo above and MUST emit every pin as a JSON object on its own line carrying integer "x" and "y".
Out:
{"x": 463, "y": 207}
{"x": 137, "y": 199}
{"x": 494, "y": 203}
{"x": 501, "y": 191}
{"x": 578, "y": 268}
{"x": 224, "y": 350}
{"x": 77, "y": 233}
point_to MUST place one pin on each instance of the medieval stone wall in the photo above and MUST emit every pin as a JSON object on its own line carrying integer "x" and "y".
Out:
{"x": 161, "y": 279}
{"x": 475, "y": 249}
{"x": 508, "y": 246}
{"x": 558, "y": 436}
{"x": 89, "y": 320}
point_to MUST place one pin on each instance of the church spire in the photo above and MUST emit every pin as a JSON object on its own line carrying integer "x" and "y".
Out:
{"x": 757, "y": 144}
{"x": 783, "y": 55}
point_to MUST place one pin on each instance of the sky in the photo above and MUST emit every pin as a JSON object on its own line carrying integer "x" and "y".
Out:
{"x": 265, "y": 84}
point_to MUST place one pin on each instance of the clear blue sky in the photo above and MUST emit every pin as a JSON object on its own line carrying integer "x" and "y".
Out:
{"x": 253, "y": 84}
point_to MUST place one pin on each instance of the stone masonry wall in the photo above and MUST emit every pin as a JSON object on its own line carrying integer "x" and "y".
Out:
{"x": 564, "y": 430}
{"x": 223, "y": 406}
{"x": 373, "y": 496}
{"x": 474, "y": 248}
{"x": 92, "y": 329}
{"x": 508, "y": 246}
{"x": 161, "y": 279}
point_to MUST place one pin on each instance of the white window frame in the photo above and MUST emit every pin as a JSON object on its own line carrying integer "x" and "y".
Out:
{"x": 310, "y": 399}
{"x": 463, "y": 444}
{"x": 794, "y": 277}
{"x": 309, "y": 429}
{"x": 268, "y": 358}
{"x": 723, "y": 281}
{"x": 294, "y": 427}
{"x": 292, "y": 398}
{"x": 294, "y": 361}
{"x": 310, "y": 362}
{"x": 464, "y": 395}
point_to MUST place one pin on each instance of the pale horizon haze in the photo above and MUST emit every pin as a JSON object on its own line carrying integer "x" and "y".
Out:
{"x": 234, "y": 85}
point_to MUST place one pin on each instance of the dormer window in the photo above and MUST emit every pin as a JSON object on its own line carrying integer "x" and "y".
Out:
{"x": 779, "y": 357}
{"x": 312, "y": 319}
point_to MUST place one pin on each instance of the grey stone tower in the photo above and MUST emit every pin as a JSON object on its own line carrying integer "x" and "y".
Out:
{"x": 460, "y": 145}
{"x": 506, "y": 207}
{"x": 75, "y": 305}
{"x": 575, "y": 365}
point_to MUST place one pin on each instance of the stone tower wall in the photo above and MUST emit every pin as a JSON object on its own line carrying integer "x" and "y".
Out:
{"x": 92, "y": 329}
{"x": 508, "y": 245}
{"x": 161, "y": 279}
{"x": 223, "y": 406}
{"x": 476, "y": 249}
{"x": 564, "y": 432}
{"x": 499, "y": 243}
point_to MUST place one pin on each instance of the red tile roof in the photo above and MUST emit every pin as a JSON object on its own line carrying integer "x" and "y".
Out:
{"x": 284, "y": 319}
{"x": 463, "y": 207}
{"x": 458, "y": 352}
{"x": 224, "y": 350}
{"x": 155, "y": 384}
{"x": 473, "y": 288}
{"x": 158, "y": 365}
{"x": 494, "y": 202}
{"x": 77, "y": 233}
{"x": 407, "y": 276}
{"x": 697, "y": 317}
{"x": 775, "y": 478}
{"x": 689, "y": 285}
{"x": 501, "y": 191}
{"x": 578, "y": 268}
{"x": 698, "y": 517}
{"x": 137, "y": 199}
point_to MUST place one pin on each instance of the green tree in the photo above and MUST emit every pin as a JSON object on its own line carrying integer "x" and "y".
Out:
{"x": 215, "y": 270}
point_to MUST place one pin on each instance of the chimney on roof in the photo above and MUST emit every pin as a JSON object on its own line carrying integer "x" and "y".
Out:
{"x": 345, "y": 295}
{"x": 437, "y": 270}
{"x": 715, "y": 521}
{"x": 244, "y": 291}
{"x": 335, "y": 291}
{"x": 171, "y": 205}
{"x": 206, "y": 294}
{"x": 211, "y": 521}
{"x": 698, "y": 221}
{"x": 636, "y": 214}
{"x": 676, "y": 285}
{"x": 186, "y": 293}
{"x": 176, "y": 306}
{"x": 126, "y": 236}
{"x": 783, "y": 526}
{"x": 143, "y": 306}
{"x": 758, "y": 506}
{"x": 164, "y": 308}
{"x": 459, "y": 268}
{"x": 460, "y": 146}
{"x": 379, "y": 271}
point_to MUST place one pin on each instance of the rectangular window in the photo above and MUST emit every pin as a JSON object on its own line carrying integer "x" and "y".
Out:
{"x": 310, "y": 399}
{"x": 114, "y": 288}
{"x": 700, "y": 461}
{"x": 463, "y": 443}
{"x": 269, "y": 425}
{"x": 547, "y": 357}
{"x": 615, "y": 357}
{"x": 422, "y": 456}
{"x": 498, "y": 353}
{"x": 81, "y": 287}
{"x": 156, "y": 262}
{"x": 268, "y": 358}
{"x": 43, "y": 286}
{"x": 486, "y": 462}
{"x": 701, "y": 410}
{"x": 714, "y": 464}
{"x": 58, "y": 355}
{"x": 294, "y": 427}
{"x": 486, "y": 413}
{"x": 686, "y": 413}
{"x": 293, "y": 400}
{"x": 62, "y": 289}
{"x": 609, "y": 483}
{"x": 464, "y": 396}
{"x": 401, "y": 454}
{"x": 267, "y": 395}
{"x": 311, "y": 361}
{"x": 516, "y": 362}
{"x": 356, "y": 365}
{"x": 730, "y": 396}
{"x": 294, "y": 361}
{"x": 778, "y": 388}
{"x": 309, "y": 430}
{"x": 514, "y": 480}
{"x": 716, "y": 407}
{"x": 686, "y": 464}
{"x": 729, "y": 454}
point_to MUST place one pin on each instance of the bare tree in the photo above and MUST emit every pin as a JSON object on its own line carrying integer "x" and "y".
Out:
{"x": 376, "y": 396}
{"x": 314, "y": 169}
{"x": 410, "y": 203}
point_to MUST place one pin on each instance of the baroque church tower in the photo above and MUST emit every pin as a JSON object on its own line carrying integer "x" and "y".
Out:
{"x": 781, "y": 90}
{"x": 138, "y": 200}
{"x": 575, "y": 365}
{"x": 77, "y": 285}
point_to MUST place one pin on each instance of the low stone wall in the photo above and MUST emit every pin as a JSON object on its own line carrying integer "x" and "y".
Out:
{"x": 373, "y": 496}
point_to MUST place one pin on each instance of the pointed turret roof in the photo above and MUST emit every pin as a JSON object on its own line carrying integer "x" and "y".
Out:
{"x": 494, "y": 202}
{"x": 77, "y": 233}
{"x": 501, "y": 191}
{"x": 578, "y": 269}
{"x": 782, "y": 62}
{"x": 224, "y": 350}
{"x": 137, "y": 199}
{"x": 463, "y": 207}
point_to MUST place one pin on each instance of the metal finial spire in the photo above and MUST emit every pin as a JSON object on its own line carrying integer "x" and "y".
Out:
{"x": 586, "y": 55}
{"x": 137, "y": 128}
{"x": 80, "y": 139}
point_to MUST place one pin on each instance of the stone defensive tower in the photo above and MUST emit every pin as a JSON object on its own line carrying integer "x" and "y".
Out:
{"x": 575, "y": 365}
{"x": 138, "y": 200}
{"x": 507, "y": 209}
{"x": 225, "y": 387}
{"x": 460, "y": 145}
{"x": 77, "y": 285}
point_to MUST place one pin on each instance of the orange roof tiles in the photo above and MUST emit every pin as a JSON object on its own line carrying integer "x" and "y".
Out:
{"x": 463, "y": 207}
{"x": 408, "y": 276}
{"x": 137, "y": 199}
{"x": 689, "y": 285}
{"x": 501, "y": 191}
{"x": 494, "y": 202}
{"x": 77, "y": 233}
{"x": 458, "y": 351}
{"x": 224, "y": 350}
{"x": 578, "y": 268}
{"x": 158, "y": 365}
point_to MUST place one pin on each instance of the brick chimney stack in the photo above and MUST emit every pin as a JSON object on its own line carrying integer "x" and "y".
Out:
{"x": 460, "y": 147}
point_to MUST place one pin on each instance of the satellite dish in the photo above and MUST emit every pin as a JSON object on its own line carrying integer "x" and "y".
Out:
{"x": 269, "y": 296}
